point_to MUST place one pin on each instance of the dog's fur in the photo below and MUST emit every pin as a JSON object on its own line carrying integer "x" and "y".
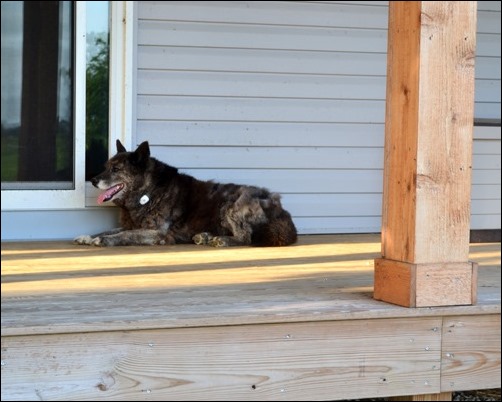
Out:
{"x": 158, "y": 205}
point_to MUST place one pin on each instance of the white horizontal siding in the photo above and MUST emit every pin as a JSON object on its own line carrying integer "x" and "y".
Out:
{"x": 487, "y": 133}
{"x": 487, "y": 86}
{"x": 271, "y": 134}
{"x": 485, "y": 221}
{"x": 56, "y": 224}
{"x": 489, "y": 192}
{"x": 200, "y": 108}
{"x": 335, "y": 205}
{"x": 489, "y": 21}
{"x": 173, "y": 58}
{"x": 291, "y": 96}
{"x": 266, "y": 13}
{"x": 489, "y": 6}
{"x": 299, "y": 38}
{"x": 487, "y": 68}
{"x": 487, "y": 110}
{"x": 286, "y": 95}
{"x": 288, "y": 157}
{"x": 272, "y": 85}
{"x": 486, "y": 207}
{"x": 343, "y": 224}
{"x": 351, "y": 3}
{"x": 486, "y": 181}
{"x": 262, "y": 85}
{"x": 312, "y": 181}
{"x": 271, "y": 158}
{"x": 485, "y": 176}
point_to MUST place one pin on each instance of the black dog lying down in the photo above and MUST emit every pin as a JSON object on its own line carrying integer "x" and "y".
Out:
{"x": 158, "y": 205}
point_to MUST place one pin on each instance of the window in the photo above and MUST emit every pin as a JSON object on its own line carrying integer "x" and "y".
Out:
{"x": 87, "y": 41}
{"x": 40, "y": 129}
{"x": 37, "y": 95}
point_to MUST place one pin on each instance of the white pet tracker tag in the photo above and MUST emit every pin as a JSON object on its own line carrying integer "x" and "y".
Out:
{"x": 143, "y": 200}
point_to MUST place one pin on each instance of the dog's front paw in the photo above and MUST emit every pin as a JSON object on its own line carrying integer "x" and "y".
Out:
{"x": 84, "y": 239}
{"x": 101, "y": 241}
{"x": 105, "y": 241}
{"x": 202, "y": 238}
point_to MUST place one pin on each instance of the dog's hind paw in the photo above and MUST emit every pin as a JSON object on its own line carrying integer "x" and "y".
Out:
{"x": 84, "y": 239}
{"x": 218, "y": 241}
{"x": 202, "y": 238}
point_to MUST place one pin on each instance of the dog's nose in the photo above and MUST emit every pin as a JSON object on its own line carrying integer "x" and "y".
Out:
{"x": 94, "y": 181}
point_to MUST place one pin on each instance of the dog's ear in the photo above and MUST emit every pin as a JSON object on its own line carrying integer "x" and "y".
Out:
{"x": 142, "y": 153}
{"x": 120, "y": 147}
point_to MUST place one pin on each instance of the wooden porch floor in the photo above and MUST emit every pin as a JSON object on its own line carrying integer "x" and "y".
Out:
{"x": 321, "y": 287}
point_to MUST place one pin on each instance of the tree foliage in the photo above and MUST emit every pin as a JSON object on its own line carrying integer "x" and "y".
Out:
{"x": 97, "y": 103}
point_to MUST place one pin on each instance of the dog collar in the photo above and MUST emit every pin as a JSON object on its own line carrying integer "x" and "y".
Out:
{"x": 144, "y": 199}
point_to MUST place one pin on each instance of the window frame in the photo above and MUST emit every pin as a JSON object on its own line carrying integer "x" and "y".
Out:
{"x": 72, "y": 198}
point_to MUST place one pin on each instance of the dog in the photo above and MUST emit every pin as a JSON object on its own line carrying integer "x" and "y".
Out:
{"x": 160, "y": 206}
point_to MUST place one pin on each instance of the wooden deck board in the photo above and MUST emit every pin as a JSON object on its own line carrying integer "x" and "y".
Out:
{"x": 57, "y": 287}
{"x": 170, "y": 323}
{"x": 294, "y": 361}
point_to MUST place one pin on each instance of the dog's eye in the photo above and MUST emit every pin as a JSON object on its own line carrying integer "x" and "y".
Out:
{"x": 114, "y": 169}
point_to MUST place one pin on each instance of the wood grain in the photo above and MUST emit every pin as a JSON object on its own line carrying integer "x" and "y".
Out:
{"x": 401, "y": 124}
{"x": 442, "y": 396}
{"x": 471, "y": 353}
{"x": 446, "y": 284}
{"x": 427, "y": 175}
{"x": 425, "y": 285}
{"x": 444, "y": 157}
{"x": 52, "y": 287}
{"x": 187, "y": 322}
{"x": 395, "y": 282}
{"x": 302, "y": 361}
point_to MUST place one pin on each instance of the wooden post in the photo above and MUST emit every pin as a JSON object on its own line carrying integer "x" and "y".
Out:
{"x": 428, "y": 148}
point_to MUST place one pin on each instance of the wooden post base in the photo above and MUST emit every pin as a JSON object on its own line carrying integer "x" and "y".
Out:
{"x": 443, "y": 396}
{"x": 425, "y": 285}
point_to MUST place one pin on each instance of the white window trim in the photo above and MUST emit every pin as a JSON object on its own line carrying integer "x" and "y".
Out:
{"x": 122, "y": 83}
{"x": 122, "y": 77}
{"x": 16, "y": 200}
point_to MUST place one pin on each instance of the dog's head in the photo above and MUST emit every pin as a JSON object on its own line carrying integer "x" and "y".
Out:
{"x": 122, "y": 172}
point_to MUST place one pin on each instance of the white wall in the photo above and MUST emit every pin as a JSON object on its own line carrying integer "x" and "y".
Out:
{"x": 287, "y": 95}
{"x": 291, "y": 96}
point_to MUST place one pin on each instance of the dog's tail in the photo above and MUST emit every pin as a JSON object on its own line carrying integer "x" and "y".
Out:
{"x": 279, "y": 230}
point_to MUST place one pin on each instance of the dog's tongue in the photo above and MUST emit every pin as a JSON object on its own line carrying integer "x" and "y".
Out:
{"x": 108, "y": 194}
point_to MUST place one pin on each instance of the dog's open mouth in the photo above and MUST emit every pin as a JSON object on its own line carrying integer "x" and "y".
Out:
{"x": 110, "y": 193}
